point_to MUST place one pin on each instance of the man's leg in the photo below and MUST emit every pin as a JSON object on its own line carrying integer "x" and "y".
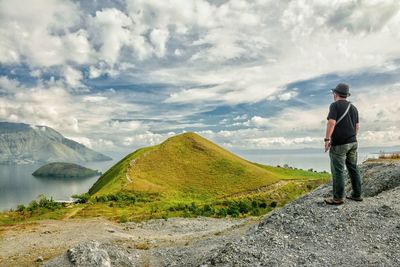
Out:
{"x": 355, "y": 178}
{"x": 337, "y": 155}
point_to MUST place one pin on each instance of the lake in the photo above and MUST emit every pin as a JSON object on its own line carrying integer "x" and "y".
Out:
{"x": 18, "y": 186}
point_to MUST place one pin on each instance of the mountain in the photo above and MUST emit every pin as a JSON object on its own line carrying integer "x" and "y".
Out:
{"x": 185, "y": 163}
{"x": 64, "y": 170}
{"x": 189, "y": 167}
{"x": 24, "y": 143}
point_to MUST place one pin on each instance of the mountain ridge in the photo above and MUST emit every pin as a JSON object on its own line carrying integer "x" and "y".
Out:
{"x": 24, "y": 143}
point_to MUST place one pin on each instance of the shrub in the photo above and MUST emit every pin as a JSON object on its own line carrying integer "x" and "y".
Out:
{"x": 255, "y": 212}
{"x": 193, "y": 208}
{"x": 244, "y": 206}
{"x": 233, "y": 209}
{"x": 83, "y": 198}
{"x": 20, "y": 208}
{"x": 207, "y": 210}
{"x": 222, "y": 212}
{"x": 123, "y": 218}
{"x": 43, "y": 204}
{"x": 262, "y": 204}
{"x": 121, "y": 197}
{"x": 33, "y": 205}
{"x": 273, "y": 204}
{"x": 101, "y": 199}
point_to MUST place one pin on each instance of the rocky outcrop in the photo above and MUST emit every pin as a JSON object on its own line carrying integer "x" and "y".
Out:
{"x": 306, "y": 232}
{"x": 23, "y": 143}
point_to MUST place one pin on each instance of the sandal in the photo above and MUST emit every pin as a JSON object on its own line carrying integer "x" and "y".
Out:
{"x": 332, "y": 201}
{"x": 354, "y": 198}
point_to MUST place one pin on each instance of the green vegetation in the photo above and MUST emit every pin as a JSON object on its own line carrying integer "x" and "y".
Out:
{"x": 83, "y": 198}
{"x": 40, "y": 208}
{"x": 189, "y": 176}
{"x": 64, "y": 170}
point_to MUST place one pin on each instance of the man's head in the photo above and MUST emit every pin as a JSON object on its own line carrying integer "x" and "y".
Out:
{"x": 341, "y": 90}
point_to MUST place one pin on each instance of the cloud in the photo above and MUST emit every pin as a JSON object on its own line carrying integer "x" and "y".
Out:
{"x": 127, "y": 73}
{"x": 43, "y": 34}
{"x": 159, "y": 38}
{"x": 73, "y": 77}
{"x": 259, "y": 121}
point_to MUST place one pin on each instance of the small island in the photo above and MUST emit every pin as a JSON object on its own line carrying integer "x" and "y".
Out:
{"x": 64, "y": 170}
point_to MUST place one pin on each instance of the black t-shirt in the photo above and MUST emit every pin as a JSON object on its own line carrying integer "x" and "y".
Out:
{"x": 345, "y": 130}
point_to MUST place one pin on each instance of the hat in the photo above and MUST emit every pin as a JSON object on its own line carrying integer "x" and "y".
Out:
{"x": 341, "y": 89}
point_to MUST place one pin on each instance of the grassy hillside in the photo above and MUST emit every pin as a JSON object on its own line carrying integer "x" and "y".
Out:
{"x": 186, "y": 170}
{"x": 185, "y": 165}
{"x": 187, "y": 175}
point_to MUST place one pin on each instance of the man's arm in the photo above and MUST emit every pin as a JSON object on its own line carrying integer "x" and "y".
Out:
{"x": 330, "y": 126}
{"x": 357, "y": 127}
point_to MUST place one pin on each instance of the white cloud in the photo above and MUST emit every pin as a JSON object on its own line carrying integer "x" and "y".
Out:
{"x": 259, "y": 121}
{"x": 109, "y": 30}
{"x": 94, "y": 98}
{"x": 146, "y": 139}
{"x": 31, "y": 35}
{"x": 212, "y": 54}
{"x": 73, "y": 77}
{"x": 284, "y": 96}
{"x": 158, "y": 38}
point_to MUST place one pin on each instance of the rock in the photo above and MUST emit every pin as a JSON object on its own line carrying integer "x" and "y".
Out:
{"x": 99, "y": 254}
{"x": 39, "y": 259}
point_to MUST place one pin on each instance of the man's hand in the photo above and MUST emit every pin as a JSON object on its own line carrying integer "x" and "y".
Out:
{"x": 327, "y": 145}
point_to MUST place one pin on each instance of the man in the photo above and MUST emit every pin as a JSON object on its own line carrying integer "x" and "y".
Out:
{"x": 341, "y": 141}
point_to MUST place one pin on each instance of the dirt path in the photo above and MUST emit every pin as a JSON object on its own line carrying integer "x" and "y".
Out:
{"x": 21, "y": 245}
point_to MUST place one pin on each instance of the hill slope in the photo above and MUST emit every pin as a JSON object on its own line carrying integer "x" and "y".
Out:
{"x": 24, "y": 143}
{"x": 65, "y": 170}
{"x": 187, "y": 175}
{"x": 188, "y": 164}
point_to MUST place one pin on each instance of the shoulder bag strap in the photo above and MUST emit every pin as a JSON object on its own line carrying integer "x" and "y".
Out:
{"x": 344, "y": 114}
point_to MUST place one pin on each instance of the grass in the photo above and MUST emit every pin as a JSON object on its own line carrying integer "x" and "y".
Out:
{"x": 114, "y": 179}
{"x": 187, "y": 176}
{"x": 193, "y": 166}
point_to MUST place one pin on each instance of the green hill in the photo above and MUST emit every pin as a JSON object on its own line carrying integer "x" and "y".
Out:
{"x": 64, "y": 170}
{"x": 185, "y": 164}
{"x": 188, "y": 169}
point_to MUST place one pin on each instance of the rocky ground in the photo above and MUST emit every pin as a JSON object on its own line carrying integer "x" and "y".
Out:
{"x": 305, "y": 232}
{"x": 47, "y": 242}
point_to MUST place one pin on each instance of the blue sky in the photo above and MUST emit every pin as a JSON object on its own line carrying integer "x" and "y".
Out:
{"x": 117, "y": 75}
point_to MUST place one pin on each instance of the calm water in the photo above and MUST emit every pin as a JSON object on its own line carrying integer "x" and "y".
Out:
{"x": 18, "y": 186}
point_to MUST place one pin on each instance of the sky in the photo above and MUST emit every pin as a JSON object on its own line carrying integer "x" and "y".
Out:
{"x": 118, "y": 75}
